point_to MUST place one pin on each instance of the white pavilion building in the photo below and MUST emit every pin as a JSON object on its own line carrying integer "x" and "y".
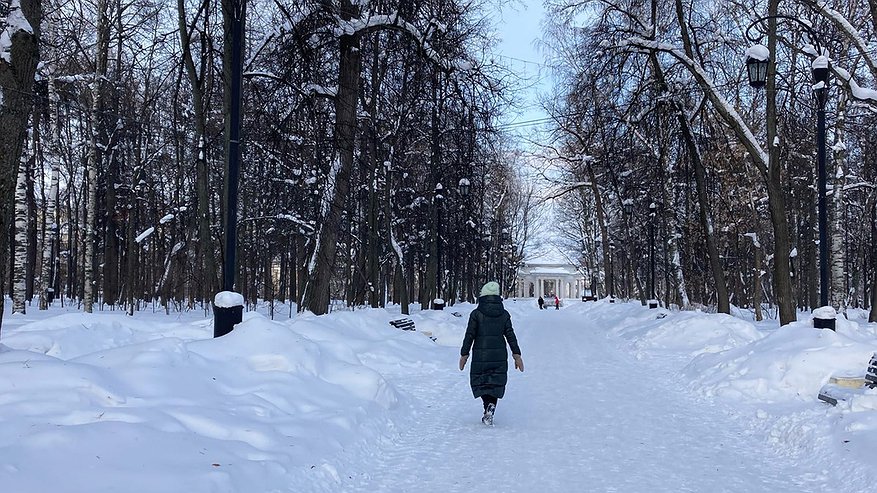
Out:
{"x": 549, "y": 279}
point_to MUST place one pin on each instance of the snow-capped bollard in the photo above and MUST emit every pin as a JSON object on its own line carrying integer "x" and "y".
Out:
{"x": 824, "y": 318}
{"x": 228, "y": 311}
{"x": 653, "y": 304}
{"x": 438, "y": 304}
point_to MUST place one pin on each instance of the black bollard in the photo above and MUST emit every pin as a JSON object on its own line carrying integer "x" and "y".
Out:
{"x": 228, "y": 311}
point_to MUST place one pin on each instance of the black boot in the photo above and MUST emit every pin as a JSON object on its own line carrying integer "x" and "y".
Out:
{"x": 489, "y": 409}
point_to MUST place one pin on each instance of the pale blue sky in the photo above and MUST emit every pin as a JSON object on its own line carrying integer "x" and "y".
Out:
{"x": 518, "y": 26}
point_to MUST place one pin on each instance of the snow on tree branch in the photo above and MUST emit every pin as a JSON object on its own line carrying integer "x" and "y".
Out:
{"x": 729, "y": 114}
{"x": 370, "y": 23}
{"x": 145, "y": 234}
{"x": 858, "y": 92}
{"x": 850, "y": 31}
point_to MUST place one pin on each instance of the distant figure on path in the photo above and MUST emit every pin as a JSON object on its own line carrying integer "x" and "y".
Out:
{"x": 541, "y": 302}
{"x": 489, "y": 329}
{"x": 556, "y": 303}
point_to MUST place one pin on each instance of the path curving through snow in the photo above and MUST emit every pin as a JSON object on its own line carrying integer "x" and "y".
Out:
{"x": 585, "y": 416}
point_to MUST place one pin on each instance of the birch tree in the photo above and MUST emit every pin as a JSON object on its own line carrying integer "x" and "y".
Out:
{"x": 19, "y": 279}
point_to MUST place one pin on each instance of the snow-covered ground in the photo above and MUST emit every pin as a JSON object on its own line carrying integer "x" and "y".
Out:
{"x": 615, "y": 397}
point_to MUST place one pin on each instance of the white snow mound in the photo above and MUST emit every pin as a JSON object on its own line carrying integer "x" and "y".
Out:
{"x": 791, "y": 363}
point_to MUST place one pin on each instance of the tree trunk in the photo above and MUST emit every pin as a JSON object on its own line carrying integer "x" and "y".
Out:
{"x": 872, "y": 316}
{"x": 719, "y": 282}
{"x": 30, "y": 269}
{"x": 101, "y": 53}
{"x": 110, "y": 277}
{"x": 374, "y": 265}
{"x": 433, "y": 281}
{"x": 19, "y": 272}
{"x": 601, "y": 222}
{"x": 50, "y": 245}
{"x": 322, "y": 262}
{"x": 17, "y": 68}
{"x": 776, "y": 190}
{"x": 721, "y": 286}
{"x": 756, "y": 276}
{"x": 206, "y": 270}
{"x": 873, "y": 5}
{"x": 838, "y": 291}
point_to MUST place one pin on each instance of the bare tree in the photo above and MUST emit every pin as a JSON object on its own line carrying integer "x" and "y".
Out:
{"x": 17, "y": 68}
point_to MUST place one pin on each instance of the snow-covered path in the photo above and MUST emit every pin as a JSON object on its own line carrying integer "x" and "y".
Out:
{"x": 583, "y": 417}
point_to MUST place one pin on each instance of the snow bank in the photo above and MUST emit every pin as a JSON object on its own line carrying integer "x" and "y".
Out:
{"x": 791, "y": 363}
{"x": 159, "y": 405}
{"x": 689, "y": 332}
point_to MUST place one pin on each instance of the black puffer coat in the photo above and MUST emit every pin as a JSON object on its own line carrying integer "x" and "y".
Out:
{"x": 490, "y": 327}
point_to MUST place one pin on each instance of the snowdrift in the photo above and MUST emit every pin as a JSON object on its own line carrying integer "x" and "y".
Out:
{"x": 113, "y": 403}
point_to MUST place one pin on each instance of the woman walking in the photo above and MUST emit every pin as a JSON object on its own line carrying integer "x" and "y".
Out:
{"x": 489, "y": 329}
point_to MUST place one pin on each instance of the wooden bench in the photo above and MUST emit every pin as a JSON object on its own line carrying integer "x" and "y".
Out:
{"x": 843, "y": 388}
{"x": 403, "y": 323}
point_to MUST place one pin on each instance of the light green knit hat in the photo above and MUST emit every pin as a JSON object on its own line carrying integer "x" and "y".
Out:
{"x": 490, "y": 289}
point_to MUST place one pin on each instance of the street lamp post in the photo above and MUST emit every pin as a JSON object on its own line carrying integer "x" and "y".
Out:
{"x": 653, "y": 301}
{"x": 598, "y": 248}
{"x": 438, "y": 303}
{"x": 820, "y": 87}
{"x": 627, "y": 259}
{"x": 463, "y": 186}
{"x": 611, "y": 273}
{"x": 228, "y": 305}
{"x": 757, "y": 61}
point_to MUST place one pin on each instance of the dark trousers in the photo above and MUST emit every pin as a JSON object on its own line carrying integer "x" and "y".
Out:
{"x": 488, "y": 399}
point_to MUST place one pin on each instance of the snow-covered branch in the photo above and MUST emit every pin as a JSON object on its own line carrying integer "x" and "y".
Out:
{"x": 369, "y": 23}
{"x": 856, "y": 91}
{"x": 725, "y": 109}
{"x": 851, "y": 32}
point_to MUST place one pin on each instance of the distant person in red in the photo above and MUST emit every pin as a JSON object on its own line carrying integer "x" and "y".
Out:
{"x": 556, "y": 303}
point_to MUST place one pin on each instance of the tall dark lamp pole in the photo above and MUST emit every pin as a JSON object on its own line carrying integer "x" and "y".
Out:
{"x": 757, "y": 61}
{"x": 598, "y": 248}
{"x": 438, "y": 302}
{"x": 228, "y": 305}
{"x": 627, "y": 259}
{"x": 611, "y": 273}
{"x": 653, "y": 301}
{"x": 820, "y": 89}
{"x": 505, "y": 237}
{"x": 463, "y": 187}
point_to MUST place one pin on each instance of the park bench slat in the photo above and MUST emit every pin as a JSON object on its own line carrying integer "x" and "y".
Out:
{"x": 403, "y": 323}
{"x": 833, "y": 393}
